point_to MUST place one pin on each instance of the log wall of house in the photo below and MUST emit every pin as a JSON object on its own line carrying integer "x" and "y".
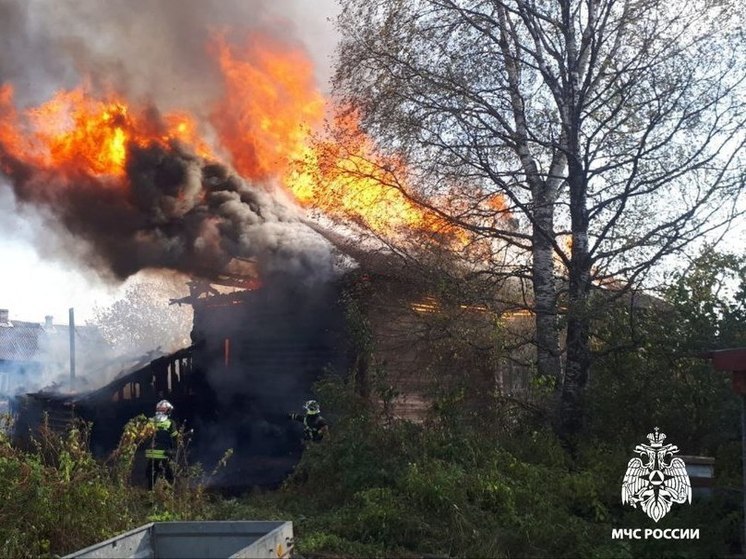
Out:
{"x": 428, "y": 349}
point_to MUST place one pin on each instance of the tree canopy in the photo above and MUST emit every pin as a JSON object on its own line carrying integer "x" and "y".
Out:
{"x": 611, "y": 129}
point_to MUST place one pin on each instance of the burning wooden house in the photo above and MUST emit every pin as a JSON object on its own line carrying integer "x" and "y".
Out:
{"x": 258, "y": 349}
{"x": 144, "y": 186}
{"x": 255, "y": 356}
{"x": 147, "y": 188}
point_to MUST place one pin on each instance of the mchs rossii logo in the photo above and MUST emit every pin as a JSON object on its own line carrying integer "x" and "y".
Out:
{"x": 656, "y": 479}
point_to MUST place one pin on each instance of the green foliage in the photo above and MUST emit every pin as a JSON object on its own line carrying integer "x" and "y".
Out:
{"x": 661, "y": 376}
{"x": 326, "y": 543}
{"x": 444, "y": 487}
{"x": 56, "y": 498}
{"x": 710, "y": 302}
{"x": 465, "y": 484}
{"x": 652, "y": 370}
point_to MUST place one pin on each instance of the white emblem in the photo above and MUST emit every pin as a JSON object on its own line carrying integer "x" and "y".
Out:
{"x": 659, "y": 482}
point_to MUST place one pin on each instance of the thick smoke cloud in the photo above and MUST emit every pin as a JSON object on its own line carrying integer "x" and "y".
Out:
{"x": 146, "y": 49}
{"x": 179, "y": 212}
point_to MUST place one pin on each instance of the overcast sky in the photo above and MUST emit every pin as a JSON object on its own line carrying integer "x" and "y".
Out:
{"x": 41, "y": 43}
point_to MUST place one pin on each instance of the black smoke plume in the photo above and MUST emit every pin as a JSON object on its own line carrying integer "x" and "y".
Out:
{"x": 155, "y": 53}
{"x": 177, "y": 211}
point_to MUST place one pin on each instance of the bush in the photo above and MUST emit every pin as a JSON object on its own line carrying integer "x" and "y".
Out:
{"x": 57, "y": 498}
{"x": 447, "y": 487}
{"x": 451, "y": 486}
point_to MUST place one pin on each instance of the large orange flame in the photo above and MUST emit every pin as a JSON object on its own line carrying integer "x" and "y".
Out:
{"x": 265, "y": 120}
{"x": 349, "y": 177}
{"x": 269, "y": 107}
{"x": 74, "y": 132}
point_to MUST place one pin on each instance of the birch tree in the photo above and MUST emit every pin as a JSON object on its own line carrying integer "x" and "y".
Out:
{"x": 614, "y": 124}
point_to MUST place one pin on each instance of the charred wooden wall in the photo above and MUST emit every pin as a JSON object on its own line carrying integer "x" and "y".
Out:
{"x": 261, "y": 351}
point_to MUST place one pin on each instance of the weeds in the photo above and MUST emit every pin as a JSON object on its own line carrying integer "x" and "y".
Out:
{"x": 376, "y": 487}
{"x": 57, "y": 498}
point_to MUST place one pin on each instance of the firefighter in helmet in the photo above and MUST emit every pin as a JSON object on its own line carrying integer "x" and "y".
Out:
{"x": 162, "y": 447}
{"x": 314, "y": 426}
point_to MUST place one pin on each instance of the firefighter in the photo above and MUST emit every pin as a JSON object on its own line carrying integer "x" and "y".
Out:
{"x": 314, "y": 426}
{"x": 162, "y": 446}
